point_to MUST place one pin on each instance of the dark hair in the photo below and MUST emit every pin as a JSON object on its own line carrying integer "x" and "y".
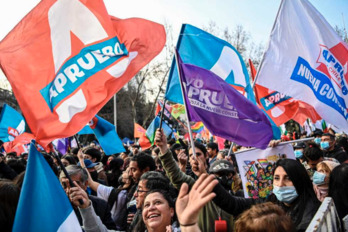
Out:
{"x": 338, "y": 188}
{"x": 9, "y": 196}
{"x": 303, "y": 185}
{"x": 155, "y": 180}
{"x": 18, "y": 180}
{"x": 343, "y": 142}
{"x": 17, "y": 165}
{"x": 95, "y": 153}
{"x": 213, "y": 146}
{"x": 332, "y": 137}
{"x": 312, "y": 152}
{"x": 70, "y": 159}
{"x": 75, "y": 150}
{"x": 140, "y": 226}
{"x": 144, "y": 160}
{"x": 201, "y": 147}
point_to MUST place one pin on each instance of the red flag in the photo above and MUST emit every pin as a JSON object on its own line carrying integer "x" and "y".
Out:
{"x": 67, "y": 58}
{"x": 281, "y": 108}
{"x": 139, "y": 131}
{"x": 144, "y": 142}
{"x": 18, "y": 145}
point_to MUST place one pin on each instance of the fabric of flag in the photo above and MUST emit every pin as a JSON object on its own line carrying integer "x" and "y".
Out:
{"x": 12, "y": 123}
{"x": 167, "y": 111}
{"x": 107, "y": 136}
{"x": 279, "y": 107}
{"x": 151, "y": 131}
{"x": 139, "y": 131}
{"x": 62, "y": 145}
{"x": 222, "y": 109}
{"x": 73, "y": 57}
{"x": 86, "y": 130}
{"x": 312, "y": 67}
{"x": 178, "y": 110}
{"x": 43, "y": 205}
{"x": 19, "y": 144}
{"x": 204, "y": 50}
{"x": 198, "y": 127}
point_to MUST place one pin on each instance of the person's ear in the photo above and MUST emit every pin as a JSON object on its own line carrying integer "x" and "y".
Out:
{"x": 171, "y": 212}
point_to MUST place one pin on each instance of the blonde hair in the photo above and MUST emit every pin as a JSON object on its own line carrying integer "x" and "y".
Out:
{"x": 265, "y": 217}
{"x": 324, "y": 166}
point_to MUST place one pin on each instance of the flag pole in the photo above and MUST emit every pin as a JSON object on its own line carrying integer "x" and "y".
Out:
{"x": 71, "y": 183}
{"x": 162, "y": 113}
{"x": 186, "y": 111}
{"x": 115, "y": 111}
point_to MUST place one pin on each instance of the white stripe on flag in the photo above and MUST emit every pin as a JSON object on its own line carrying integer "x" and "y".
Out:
{"x": 71, "y": 223}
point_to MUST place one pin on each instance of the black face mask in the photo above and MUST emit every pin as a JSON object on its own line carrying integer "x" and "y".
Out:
{"x": 226, "y": 182}
{"x": 94, "y": 175}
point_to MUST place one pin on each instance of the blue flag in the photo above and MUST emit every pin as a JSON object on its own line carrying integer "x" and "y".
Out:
{"x": 204, "y": 50}
{"x": 222, "y": 109}
{"x": 106, "y": 135}
{"x": 151, "y": 130}
{"x": 86, "y": 131}
{"x": 43, "y": 204}
{"x": 12, "y": 124}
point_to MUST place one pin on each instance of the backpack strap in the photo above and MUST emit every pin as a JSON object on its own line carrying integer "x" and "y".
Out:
{"x": 113, "y": 197}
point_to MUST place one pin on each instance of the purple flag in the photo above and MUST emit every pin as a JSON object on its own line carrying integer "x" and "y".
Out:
{"x": 222, "y": 109}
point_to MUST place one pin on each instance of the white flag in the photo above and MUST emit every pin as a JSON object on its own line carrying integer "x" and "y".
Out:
{"x": 308, "y": 61}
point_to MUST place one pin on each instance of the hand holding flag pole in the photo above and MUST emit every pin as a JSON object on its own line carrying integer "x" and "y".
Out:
{"x": 162, "y": 113}
{"x": 71, "y": 183}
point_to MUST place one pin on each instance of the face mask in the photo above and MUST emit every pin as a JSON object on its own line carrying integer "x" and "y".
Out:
{"x": 298, "y": 154}
{"x": 285, "y": 194}
{"x": 324, "y": 145}
{"x": 225, "y": 182}
{"x": 317, "y": 140}
{"x": 319, "y": 178}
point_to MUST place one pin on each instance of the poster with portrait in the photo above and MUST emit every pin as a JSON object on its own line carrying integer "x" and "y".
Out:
{"x": 256, "y": 169}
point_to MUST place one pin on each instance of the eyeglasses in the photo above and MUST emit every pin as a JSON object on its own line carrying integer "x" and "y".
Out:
{"x": 141, "y": 191}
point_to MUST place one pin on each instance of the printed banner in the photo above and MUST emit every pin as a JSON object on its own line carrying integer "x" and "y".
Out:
{"x": 204, "y": 50}
{"x": 222, "y": 109}
{"x": 71, "y": 57}
{"x": 256, "y": 169}
{"x": 313, "y": 65}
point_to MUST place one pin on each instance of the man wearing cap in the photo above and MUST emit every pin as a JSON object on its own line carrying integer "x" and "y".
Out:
{"x": 331, "y": 149}
{"x": 225, "y": 173}
{"x": 93, "y": 154}
{"x": 298, "y": 150}
{"x": 317, "y": 133}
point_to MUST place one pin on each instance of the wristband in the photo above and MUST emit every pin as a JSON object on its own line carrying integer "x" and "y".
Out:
{"x": 187, "y": 225}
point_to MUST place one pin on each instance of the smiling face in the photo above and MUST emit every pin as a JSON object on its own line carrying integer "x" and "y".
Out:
{"x": 157, "y": 213}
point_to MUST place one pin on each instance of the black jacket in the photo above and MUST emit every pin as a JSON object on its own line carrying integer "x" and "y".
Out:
{"x": 337, "y": 153}
{"x": 236, "y": 205}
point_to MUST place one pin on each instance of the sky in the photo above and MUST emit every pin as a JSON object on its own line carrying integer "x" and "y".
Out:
{"x": 256, "y": 16}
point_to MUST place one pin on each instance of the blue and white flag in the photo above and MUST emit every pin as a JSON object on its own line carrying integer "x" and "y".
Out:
{"x": 12, "y": 124}
{"x": 107, "y": 136}
{"x": 43, "y": 204}
{"x": 308, "y": 61}
{"x": 204, "y": 50}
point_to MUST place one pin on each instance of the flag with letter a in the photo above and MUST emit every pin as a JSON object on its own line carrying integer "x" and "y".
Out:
{"x": 67, "y": 58}
{"x": 308, "y": 61}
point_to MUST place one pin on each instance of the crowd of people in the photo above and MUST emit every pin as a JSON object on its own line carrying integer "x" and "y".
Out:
{"x": 175, "y": 187}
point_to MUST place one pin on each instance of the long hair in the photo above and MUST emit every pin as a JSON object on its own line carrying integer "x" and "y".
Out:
{"x": 338, "y": 188}
{"x": 9, "y": 196}
{"x": 303, "y": 185}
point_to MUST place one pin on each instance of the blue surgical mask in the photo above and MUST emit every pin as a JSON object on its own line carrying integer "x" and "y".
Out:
{"x": 319, "y": 178}
{"x": 317, "y": 140}
{"x": 298, "y": 154}
{"x": 324, "y": 145}
{"x": 286, "y": 194}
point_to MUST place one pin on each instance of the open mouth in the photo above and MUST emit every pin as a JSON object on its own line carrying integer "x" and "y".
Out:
{"x": 153, "y": 216}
